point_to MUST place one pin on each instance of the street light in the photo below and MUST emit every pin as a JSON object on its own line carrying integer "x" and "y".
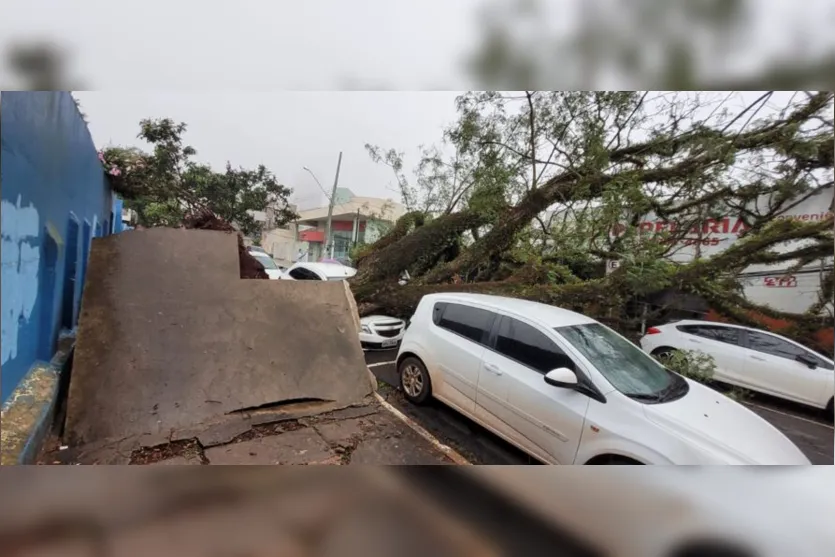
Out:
{"x": 331, "y": 198}
{"x": 328, "y": 197}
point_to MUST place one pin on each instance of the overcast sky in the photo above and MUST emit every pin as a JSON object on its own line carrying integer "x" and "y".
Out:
{"x": 286, "y": 131}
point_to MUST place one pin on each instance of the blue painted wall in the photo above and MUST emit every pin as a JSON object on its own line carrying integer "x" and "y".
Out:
{"x": 53, "y": 191}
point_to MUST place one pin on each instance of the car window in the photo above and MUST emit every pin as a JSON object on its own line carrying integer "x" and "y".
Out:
{"x": 523, "y": 343}
{"x": 762, "y": 342}
{"x": 472, "y": 323}
{"x": 437, "y": 312}
{"x": 628, "y": 368}
{"x": 300, "y": 273}
{"x": 266, "y": 261}
{"x": 729, "y": 335}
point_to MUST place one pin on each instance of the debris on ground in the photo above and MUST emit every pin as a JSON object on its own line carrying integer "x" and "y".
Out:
{"x": 362, "y": 434}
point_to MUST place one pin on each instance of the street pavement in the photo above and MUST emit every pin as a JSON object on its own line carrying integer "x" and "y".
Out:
{"x": 805, "y": 427}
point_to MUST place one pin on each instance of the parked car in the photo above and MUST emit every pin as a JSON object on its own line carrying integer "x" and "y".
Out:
{"x": 568, "y": 390}
{"x": 273, "y": 269}
{"x": 381, "y": 332}
{"x": 752, "y": 359}
{"x": 257, "y": 249}
{"x": 318, "y": 271}
{"x": 376, "y": 331}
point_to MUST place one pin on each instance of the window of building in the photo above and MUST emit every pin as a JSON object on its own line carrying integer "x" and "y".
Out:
{"x": 71, "y": 275}
{"x": 47, "y": 286}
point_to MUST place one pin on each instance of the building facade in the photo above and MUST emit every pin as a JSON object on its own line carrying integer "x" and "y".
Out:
{"x": 55, "y": 200}
{"x": 355, "y": 220}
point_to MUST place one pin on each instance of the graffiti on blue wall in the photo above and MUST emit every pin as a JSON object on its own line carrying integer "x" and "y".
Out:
{"x": 21, "y": 255}
{"x": 53, "y": 184}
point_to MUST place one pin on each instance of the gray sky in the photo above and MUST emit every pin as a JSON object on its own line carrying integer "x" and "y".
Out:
{"x": 285, "y": 130}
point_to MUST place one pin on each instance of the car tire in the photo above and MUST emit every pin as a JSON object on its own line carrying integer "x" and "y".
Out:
{"x": 830, "y": 410}
{"x": 414, "y": 380}
{"x": 662, "y": 351}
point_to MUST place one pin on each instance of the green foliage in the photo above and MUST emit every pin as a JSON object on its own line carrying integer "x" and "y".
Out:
{"x": 697, "y": 366}
{"x": 165, "y": 185}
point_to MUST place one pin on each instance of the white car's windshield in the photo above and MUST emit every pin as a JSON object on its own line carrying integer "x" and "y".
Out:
{"x": 624, "y": 365}
{"x": 265, "y": 260}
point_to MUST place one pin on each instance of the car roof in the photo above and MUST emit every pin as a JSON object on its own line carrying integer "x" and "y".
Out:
{"x": 714, "y": 323}
{"x": 731, "y": 325}
{"x": 549, "y": 316}
{"x": 330, "y": 270}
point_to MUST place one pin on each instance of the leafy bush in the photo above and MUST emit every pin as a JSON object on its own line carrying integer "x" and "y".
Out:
{"x": 699, "y": 367}
{"x": 693, "y": 365}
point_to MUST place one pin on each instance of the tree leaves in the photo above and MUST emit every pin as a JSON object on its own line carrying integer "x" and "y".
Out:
{"x": 167, "y": 184}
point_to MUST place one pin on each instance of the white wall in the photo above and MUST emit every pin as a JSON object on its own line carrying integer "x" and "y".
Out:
{"x": 792, "y": 294}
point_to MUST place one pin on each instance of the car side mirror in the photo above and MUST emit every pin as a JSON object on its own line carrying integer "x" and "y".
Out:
{"x": 561, "y": 377}
{"x": 804, "y": 359}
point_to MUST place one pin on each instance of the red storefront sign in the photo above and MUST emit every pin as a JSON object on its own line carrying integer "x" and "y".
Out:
{"x": 312, "y": 236}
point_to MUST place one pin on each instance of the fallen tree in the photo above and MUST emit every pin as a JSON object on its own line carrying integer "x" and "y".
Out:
{"x": 556, "y": 178}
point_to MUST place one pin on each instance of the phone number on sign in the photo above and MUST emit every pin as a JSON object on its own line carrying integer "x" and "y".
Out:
{"x": 780, "y": 282}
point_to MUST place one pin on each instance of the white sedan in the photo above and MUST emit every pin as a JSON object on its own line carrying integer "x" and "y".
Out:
{"x": 752, "y": 359}
{"x": 568, "y": 390}
{"x": 376, "y": 331}
{"x": 273, "y": 269}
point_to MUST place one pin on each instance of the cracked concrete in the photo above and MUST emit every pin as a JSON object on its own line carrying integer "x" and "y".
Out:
{"x": 363, "y": 434}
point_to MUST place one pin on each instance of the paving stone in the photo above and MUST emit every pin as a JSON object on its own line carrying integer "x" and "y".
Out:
{"x": 396, "y": 451}
{"x": 337, "y": 433}
{"x": 303, "y": 446}
{"x": 223, "y": 433}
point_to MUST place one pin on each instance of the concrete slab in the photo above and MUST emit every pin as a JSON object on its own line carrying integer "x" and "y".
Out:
{"x": 294, "y": 447}
{"x": 169, "y": 338}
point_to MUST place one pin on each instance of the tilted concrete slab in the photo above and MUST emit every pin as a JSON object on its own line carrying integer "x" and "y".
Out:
{"x": 170, "y": 337}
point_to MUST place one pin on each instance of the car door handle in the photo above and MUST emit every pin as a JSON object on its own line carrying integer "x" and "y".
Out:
{"x": 694, "y": 341}
{"x": 492, "y": 369}
{"x": 758, "y": 358}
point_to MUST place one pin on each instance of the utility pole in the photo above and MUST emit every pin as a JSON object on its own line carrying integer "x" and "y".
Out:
{"x": 328, "y": 229}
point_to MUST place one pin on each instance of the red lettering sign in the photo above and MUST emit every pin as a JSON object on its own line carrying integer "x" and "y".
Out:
{"x": 786, "y": 281}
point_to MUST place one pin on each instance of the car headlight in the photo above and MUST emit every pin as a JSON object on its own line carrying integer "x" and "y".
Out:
{"x": 366, "y": 329}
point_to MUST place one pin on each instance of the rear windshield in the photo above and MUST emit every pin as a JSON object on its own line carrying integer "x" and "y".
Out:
{"x": 266, "y": 261}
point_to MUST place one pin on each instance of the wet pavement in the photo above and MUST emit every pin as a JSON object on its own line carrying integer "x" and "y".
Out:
{"x": 805, "y": 427}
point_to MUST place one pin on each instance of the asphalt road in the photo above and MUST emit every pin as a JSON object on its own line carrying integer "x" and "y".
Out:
{"x": 805, "y": 427}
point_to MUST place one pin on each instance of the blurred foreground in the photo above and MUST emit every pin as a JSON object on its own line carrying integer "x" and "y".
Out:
{"x": 419, "y": 511}
{"x": 477, "y": 44}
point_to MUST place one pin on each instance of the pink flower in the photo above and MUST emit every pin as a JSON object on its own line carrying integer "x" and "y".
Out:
{"x": 101, "y": 157}
{"x": 114, "y": 171}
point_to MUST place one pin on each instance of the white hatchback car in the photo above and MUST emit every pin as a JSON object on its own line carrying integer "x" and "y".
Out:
{"x": 752, "y": 359}
{"x": 568, "y": 390}
{"x": 376, "y": 331}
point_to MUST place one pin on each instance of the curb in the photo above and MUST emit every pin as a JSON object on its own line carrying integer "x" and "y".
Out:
{"x": 448, "y": 451}
{"x": 29, "y": 412}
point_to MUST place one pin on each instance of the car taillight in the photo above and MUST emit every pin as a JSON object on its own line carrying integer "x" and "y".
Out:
{"x": 653, "y": 331}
